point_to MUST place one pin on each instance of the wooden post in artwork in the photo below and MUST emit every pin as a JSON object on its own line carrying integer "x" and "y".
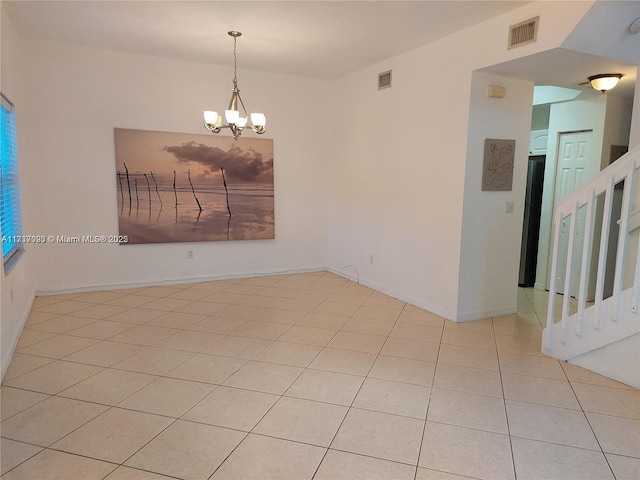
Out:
{"x": 226, "y": 190}
{"x": 135, "y": 184}
{"x": 174, "y": 188}
{"x": 120, "y": 182}
{"x": 148, "y": 188}
{"x": 156, "y": 183}
{"x": 128, "y": 183}
{"x": 192, "y": 189}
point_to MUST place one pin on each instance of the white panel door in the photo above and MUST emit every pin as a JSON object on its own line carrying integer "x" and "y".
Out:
{"x": 573, "y": 168}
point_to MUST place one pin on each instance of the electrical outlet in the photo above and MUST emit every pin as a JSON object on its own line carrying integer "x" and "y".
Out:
{"x": 190, "y": 254}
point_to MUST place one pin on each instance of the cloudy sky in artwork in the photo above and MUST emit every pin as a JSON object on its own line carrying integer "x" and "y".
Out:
{"x": 248, "y": 160}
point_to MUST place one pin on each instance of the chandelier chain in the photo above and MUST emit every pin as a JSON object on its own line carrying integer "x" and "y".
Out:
{"x": 235, "y": 62}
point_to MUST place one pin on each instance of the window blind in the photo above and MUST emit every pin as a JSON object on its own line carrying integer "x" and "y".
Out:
{"x": 10, "y": 219}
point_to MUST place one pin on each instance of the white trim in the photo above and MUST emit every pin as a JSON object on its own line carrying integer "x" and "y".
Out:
{"x": 447, "y": 315}
{"x": 395, "y": 294}
{"x": 480, "y": 315}
{"x": 6, "y": 357}
{"x": 176, "y": 281}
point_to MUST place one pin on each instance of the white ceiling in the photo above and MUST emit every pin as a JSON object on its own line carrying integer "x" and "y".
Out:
{"x": 600, "y": 43}
{"x": 569, "y": 69}
{"x": 320, "y": 39}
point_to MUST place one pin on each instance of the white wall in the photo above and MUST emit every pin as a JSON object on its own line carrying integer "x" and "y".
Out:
{"x": 396, "y": 193}
{"x": 545, "y": 95}
{"x": 402, "y": 155}
{"x": 602, "y": 31}
{"x": 489, "y": 260}
{"x": 540, "y": 116}
{"x": 617, "y": 125}
{"x": 17, "y": 286}
{"x": 634, "y": 139}
{"x": 83, "y": 93}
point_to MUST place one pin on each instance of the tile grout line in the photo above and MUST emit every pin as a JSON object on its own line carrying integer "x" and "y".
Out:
{"x": 352, "y": 401}
{"x": 426, "y": 415}
{"x": 506, "y": 415}
{"x": 595, "y": 436}
{"x": 348, "y": 407}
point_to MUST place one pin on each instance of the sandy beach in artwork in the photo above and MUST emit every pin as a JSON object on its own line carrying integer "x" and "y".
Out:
{"x": 200, "y": 207}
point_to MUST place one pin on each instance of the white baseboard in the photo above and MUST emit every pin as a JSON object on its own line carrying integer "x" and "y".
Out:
{"x": 395, "y": 294}
{"x": 8, "y": 355}
{"x": 539, "y": 286}
{"x": 175, "y": 281}
{"x": 479, "y": 315}
{"x": 454, "y": 317}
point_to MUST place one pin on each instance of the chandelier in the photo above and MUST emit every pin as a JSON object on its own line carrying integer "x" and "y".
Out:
{"x": 235, "y": 121}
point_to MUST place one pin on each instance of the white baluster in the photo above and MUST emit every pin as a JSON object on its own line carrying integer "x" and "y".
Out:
{"x": 604, "y": 245}
{"x": 568, "y": 274}
{"x": 622, "y": 240}
{"x": 552, "y": 286}
{"x": 586, "y": 259}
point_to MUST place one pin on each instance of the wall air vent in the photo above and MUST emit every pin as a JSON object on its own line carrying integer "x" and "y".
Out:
{"x": 384, "y": 80}
{"x": 523, "y": 33}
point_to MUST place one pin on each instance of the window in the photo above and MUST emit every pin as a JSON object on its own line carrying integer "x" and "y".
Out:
{"x": 10, "y": 220}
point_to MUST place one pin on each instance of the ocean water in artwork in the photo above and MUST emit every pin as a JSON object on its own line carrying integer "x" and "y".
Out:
{"x": 185, "y": 188}
{"x": 144, "y": 221}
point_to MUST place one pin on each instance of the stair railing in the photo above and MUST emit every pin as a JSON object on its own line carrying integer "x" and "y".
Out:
{"x": 626, "y": 169}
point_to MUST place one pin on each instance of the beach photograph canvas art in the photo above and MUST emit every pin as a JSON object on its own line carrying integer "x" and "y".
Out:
{"x": 181, "y": 187}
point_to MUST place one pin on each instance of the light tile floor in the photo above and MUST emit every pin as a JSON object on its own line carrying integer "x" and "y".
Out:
{"x": 298, "y": 377}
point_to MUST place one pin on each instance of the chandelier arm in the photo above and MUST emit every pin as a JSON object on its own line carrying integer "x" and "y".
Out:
{"x": 213, "y": 128}
{"x": 243, "y": 107}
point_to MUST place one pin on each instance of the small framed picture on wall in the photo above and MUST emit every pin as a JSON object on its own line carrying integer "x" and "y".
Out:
{"x": 497, "y": 167}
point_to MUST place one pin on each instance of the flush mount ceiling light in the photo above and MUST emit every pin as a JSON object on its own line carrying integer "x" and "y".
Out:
{"x": 235, "y": 121}
{"x": 605, "y": 81}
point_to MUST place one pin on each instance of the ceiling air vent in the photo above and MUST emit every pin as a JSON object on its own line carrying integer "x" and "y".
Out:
{"x": 384, "y": 80}
{"x": 523, "y": 33}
